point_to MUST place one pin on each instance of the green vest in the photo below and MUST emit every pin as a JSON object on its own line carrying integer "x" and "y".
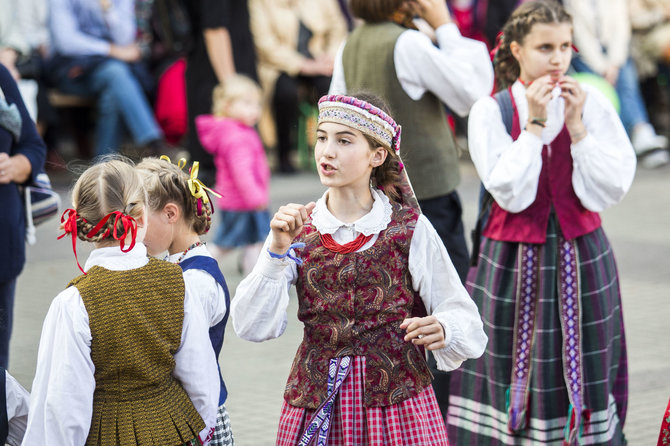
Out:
{"x": 136, "y": 319}
{"x": 427, "y": 147}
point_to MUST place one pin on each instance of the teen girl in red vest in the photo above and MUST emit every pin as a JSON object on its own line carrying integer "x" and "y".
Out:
{"x": 124, "y": 356}
{"x": 375, "y": 287}
{"x": 546, "y": 282}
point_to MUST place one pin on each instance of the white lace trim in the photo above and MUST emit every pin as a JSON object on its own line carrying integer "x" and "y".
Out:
{"x": 373, "y": 222}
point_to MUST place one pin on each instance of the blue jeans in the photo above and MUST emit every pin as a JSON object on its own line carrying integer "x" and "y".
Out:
{"x": 7, "y": 290}
{"x": 627, "y": 87}
{"x": 120, "y": 101}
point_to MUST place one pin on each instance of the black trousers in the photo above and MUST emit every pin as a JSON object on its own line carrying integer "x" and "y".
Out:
{"x": 445, "y": 213}
{"x": 285, "y": 108}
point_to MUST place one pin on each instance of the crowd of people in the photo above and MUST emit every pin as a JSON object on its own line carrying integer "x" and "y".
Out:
{"x": 409, "y": 339}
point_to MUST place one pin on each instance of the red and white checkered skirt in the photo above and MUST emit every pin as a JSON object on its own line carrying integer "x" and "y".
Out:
{"x": 416, "y": 421}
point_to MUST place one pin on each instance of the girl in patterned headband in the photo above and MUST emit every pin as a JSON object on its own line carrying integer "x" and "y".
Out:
{"x": 376, "y": 287}
{"x": 115, "y": 338}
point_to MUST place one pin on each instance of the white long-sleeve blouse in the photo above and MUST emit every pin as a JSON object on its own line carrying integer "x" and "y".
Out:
{"x": 61, "y": 402}
{"x": 259, "y": 307}
{"x": 203, "y": 286}
{"x": 603, "y": 161}
{"x": 458, "y": 71}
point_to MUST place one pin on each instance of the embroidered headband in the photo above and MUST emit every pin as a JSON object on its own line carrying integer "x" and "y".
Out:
{"x": 362, "y": 116}
{"x": 129, "y": 224}
{"x": 197, "y": 187}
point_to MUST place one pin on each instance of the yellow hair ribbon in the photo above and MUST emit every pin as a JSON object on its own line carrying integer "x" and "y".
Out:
{"x": 198, "y": 189}
{"x": 181, "y": 163}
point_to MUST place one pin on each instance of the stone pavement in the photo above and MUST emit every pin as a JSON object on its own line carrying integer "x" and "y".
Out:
{"x": 256, "y": 373}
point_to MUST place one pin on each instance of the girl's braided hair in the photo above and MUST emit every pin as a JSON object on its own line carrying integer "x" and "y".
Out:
{"x": 516, "y": 29}
{"x": 168, "y": 183}
{"x": 106, "y": 187}
{"x": 387, "y": 176}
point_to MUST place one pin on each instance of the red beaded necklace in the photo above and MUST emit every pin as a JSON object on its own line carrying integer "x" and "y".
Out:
{"x": 354, "y": 245}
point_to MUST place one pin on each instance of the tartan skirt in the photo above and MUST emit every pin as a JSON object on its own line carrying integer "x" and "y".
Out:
{"x": 479, "y": 395}
{"x": 416, "y": 421}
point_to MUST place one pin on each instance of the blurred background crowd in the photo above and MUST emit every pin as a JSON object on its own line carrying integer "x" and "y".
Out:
{"x": 100, "y": 76}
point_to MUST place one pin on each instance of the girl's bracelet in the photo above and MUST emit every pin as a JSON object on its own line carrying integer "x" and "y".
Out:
{"x": 579, "y": 135}
{"x": 538, "y": 121}
{"x": 297, "y": 260}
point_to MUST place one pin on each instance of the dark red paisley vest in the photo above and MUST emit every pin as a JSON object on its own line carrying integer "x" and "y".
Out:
{"x": 353, "y": 305}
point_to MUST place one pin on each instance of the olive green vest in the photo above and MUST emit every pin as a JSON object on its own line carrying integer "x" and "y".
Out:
{"x": 427, "y": 145}
{"x": 136, "y": 319}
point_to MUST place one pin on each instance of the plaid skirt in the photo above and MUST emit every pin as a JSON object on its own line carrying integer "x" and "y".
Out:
{"x": 223, "y": 434}
{"x": 416, "y": 421}
{"x": 479, "y": 399}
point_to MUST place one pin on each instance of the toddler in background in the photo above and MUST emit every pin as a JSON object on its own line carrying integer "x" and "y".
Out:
{"x": 242, "y": 171}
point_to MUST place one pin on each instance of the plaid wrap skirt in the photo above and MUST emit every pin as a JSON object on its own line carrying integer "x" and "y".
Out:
{"x": 416, "y": 421}
{"x": 478, "y": 401}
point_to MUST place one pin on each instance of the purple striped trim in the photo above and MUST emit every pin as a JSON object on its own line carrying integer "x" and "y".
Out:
{"x": 317, "y": 428}
{"x": 570, "y": 310}
{"x": 524, "y": 334}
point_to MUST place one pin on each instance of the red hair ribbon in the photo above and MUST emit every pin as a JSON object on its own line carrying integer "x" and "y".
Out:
{"x": 494, "y": 51}
{"x": 69, "y": 224}
{"x": 128, "y": 223}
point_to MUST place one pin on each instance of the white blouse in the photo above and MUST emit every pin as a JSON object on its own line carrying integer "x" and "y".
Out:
{"x": 62, "y": 395}
{"x": 603, "y": 161}
{"x": 17, "y": 404}
{"x": 203, "y": 286}
{"x": 458, "y": 71}
{"x": 259, "y": 307}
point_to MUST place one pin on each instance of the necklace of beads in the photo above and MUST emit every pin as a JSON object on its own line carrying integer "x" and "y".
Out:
{"x": 183, "y": 254}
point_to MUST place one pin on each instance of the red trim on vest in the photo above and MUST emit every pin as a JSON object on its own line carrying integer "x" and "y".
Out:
{"x": 554, "y": 191}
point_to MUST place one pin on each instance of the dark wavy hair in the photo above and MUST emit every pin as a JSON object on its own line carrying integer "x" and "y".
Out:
{"x": 516, "y": 29}
{"x": 387, "y": 176}
{"x": 374, "y": 11}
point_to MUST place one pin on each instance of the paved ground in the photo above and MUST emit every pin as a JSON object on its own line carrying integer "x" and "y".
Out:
{"x": 256, "y": 373}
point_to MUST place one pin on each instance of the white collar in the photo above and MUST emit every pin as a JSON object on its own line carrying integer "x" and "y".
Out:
{"x": 114, "y": 259}
{"x": 373, "y": 222}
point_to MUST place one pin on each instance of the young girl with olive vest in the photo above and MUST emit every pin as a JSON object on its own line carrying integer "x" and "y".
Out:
{"x": 552, "y": 153}
{"x": 375, "y": 287}
{"x": 124, "y": 356}
{"x": 178, "y": 215}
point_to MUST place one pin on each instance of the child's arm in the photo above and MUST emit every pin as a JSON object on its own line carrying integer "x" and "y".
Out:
{"x": 435, "y": 279}
{"x": 61, "y": 403}
{"x": 458, "y": 71}
{"x": 195, "y": 363}
{"x": 604, "y": 159}
{"x": 510, "y": 170}
{"x": 259, "y": 306}
{"x": 258, "y": 310}
{"x": 17, "y": 399}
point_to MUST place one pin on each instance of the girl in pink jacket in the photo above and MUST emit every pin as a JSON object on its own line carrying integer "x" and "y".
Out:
{"x": 242, "y": 171}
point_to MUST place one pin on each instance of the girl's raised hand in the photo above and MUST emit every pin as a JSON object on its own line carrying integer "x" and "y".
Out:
{"x": 287, "y": 224}
{"x": 538, "y": 95}
{"x": 574, "y": 97}
{"x": 426, "y": 331}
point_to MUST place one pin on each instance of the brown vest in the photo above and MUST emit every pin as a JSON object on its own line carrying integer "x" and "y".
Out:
{"x": 428, "y": 148}
{"x": 136, "y": 319}
{"x": 353, "y": 304}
